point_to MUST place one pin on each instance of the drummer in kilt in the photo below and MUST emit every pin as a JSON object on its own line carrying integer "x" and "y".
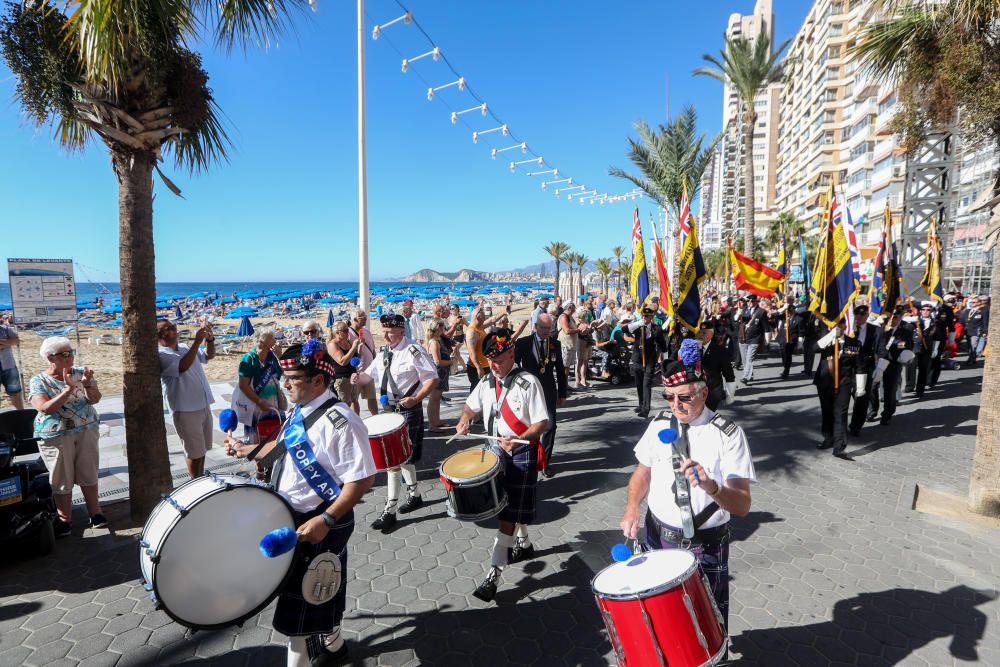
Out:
{"x": 512, "y": 403}
{"x": 716, "y": 465}
{"x": 322, "y": 465}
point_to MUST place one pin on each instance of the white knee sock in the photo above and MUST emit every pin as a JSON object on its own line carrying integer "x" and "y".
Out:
{"x": 501, "y": 543}
{"x": 298, "y": 653}
{"x": 410, "y": 478}
{"x": 392, "y": 493}
{"x": 333, "y": 641}
{"x": 521, "y": 531}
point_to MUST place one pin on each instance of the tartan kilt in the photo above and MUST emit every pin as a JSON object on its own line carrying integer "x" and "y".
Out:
{"x": 295, "y": 617}
{"x": 520, "y": 479}
{"x": 415, "y": 429}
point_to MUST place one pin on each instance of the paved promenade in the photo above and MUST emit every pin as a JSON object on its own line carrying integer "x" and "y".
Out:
{"x": 831, "y": 567}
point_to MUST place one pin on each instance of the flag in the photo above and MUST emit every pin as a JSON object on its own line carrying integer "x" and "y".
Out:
{"x": 666, "y": 302}
{"x": 692, "y": 272}
{"x": 754, "y": 277}
{"x": 852, "y": 246}
{"x": 885, "y": 283}
{"x": 684, "y": 221}
{"x": 806, "y": 278}
{"x": 782, "y": 268}
{"x": 932, "y": 274}
{"x": 833, "y": 285}
{"x": 639, "y": 283}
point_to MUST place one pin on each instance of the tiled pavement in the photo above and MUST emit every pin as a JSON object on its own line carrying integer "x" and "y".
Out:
{"x": 831, "y": 567}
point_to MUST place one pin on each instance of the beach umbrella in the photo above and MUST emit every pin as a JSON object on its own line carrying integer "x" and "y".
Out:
{"x": 543, "y": 296}
{"x": 464, "y": 302}
{"x": 177, "y": 312}
{"x": 329, "y": 319}
{"x": 246, "y": 329}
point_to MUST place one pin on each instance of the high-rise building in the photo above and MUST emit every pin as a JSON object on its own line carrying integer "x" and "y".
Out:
{"x": 732, "y": 192}
{"x": 710, "y": 224}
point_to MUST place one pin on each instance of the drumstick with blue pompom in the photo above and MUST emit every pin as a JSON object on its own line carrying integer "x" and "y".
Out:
{"x": 279, "y": 541}
{"x": 668, "y": 436}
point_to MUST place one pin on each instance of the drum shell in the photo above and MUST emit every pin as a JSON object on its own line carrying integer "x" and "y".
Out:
{"x": 677, "y": 619}
{"x": 254, "y": 580}
{"x": 475, "y": 498}
{"x": 392, "y": 448}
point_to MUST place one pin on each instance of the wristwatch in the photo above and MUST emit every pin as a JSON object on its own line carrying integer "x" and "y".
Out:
{"x": 210, "y": 340}
{"x": 328, "y": 520}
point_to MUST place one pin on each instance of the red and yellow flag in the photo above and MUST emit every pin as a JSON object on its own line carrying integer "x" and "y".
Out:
{"x": 754, "y": 277}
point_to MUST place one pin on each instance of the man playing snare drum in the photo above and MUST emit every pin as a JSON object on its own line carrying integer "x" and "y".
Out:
{"x": 324, "y": 431}
{"x": 714, "y": 465}
{"x": 513, "y": 407}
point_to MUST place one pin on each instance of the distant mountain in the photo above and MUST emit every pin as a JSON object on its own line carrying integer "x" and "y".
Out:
{"x": 432, "y": 276}
{"x": 549, "y": 268}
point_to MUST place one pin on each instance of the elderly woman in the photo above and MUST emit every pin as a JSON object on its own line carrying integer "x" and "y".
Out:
{"x": 342, "y": 349}
{"x": 441, "y": 351}
{"x": 259, "y": 377}
{"x": 66, "y": 425}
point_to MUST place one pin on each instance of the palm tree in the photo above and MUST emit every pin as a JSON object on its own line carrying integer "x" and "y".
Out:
{"x": 625, "y": 271}
{"x": 945, "y": 57}
{"x": 748, "y": 67}
{"x": 125, "y": 77}
{"x": 603, "y": 266}
{"x": 715, "y": 263}
{"x": 669, "y": 158}
{"x": 557, "y": 250}
{"x": 618, "y": 251}
{"x": 581, "y": 261}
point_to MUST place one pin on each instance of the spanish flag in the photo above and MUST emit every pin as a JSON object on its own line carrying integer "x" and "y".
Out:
{"x": 833, "y": 285}
{"x": 932, "y": 274}
{"x": 666, "y": 302}
{"x": 754, "y": 277}
{"x": 692, "y": 272}
{"x": 639, "y": 283}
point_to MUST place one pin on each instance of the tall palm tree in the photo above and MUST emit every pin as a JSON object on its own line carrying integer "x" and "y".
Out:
{"x": 603, "y": 266}
{"x": 791, "y": 228}
{"x": 581, "y": 261}
{"x": 571, "y": 266}
{"x": 557, "y": 250}
{"x": 618, "y": 251}
{"x": 748, "y": 67}
{"x": 945, "y": 57}
{"x": 667, "y": 159}
{"x": 123, "y": 76}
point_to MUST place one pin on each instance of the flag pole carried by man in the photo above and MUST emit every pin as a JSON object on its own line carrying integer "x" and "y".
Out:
{"x": 639, "y": 282}
{"x": 885, "y": 283}
{"x": 932, "y": 274}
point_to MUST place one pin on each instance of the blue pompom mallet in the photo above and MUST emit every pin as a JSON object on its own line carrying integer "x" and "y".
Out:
{"x": 383, "y": 400}
{"x": 355, "y": 361}
{"x": 620, "y": 552}
{"x": 228, "y": 420}
{"x": 278, "y": 541}
{"x": 667, "y": 435}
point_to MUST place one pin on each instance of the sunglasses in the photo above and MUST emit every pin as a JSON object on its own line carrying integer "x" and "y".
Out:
{"x": 683, "y": 398}
{"x": 66, "y": 354}
{"x": 311, "y": 332}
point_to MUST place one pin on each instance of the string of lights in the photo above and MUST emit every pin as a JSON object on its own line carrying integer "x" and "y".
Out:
{"x": 499, "y": 138}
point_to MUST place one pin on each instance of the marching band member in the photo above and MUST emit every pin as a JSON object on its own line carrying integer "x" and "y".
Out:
{"x": 322, "y": 467}
{"x": 405, "y": 374}
{"x": 690, "y": 500}
{"x": 512, "y": 403}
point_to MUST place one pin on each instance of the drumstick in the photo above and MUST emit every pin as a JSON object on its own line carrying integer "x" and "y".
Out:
{"x": 493, "y": 437}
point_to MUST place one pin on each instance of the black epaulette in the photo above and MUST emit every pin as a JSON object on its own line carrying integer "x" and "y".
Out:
{"x": 338, "y": 420}
{"x": 663, "y": 415}
{"x": 522, "y": 382}
{"x": 724, "y": 425}
{"x": 415, "y": 350}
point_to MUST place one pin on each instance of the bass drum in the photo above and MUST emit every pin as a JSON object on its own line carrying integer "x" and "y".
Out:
{"x": 199, "y": 551}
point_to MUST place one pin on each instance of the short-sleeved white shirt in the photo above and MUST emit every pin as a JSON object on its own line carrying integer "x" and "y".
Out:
{"x": 722, "y": 456}
{"x": 411, "y": 365}
{"x": 525, "y": 398}
{"x": 188, "y": 391}
{"x": 343, "y": 451}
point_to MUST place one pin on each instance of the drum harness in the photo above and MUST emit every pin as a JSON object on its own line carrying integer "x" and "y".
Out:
{"x": 500, "y": 407}
{"x": 389, "y": 382}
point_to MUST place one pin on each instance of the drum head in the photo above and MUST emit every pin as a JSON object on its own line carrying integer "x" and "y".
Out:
{"x": 210, "y": 571}
{"x": 468, "y": 464}
{"x": 643, "y": 573}
{"x": 384, "y": 423}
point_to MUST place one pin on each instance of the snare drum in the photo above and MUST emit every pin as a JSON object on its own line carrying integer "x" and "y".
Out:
{"x": 472, "y": 480}
{"x": 199, "y": 555}
{"x": 659, "y": 611}
{"x": 389, "y": 440}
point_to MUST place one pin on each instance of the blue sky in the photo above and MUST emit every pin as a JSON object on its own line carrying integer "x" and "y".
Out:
{"x": 569, "y": 78}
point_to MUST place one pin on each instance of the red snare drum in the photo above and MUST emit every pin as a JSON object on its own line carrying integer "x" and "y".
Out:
{"x": 659, "y": 611}
{"x": 389, "y": 439}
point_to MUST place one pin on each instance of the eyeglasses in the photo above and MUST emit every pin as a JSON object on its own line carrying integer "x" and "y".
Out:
{"x": 65, "y": 354}
{"x": 311, "y": 332}
{"x": 683, "y": 398}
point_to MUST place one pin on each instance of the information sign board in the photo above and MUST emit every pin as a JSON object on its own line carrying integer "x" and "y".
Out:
{"x": 42, "y": 290}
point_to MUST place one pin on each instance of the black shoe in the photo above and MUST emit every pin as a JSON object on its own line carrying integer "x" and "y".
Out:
{"x": 842, "y": 455}
{"x": 871, "y": 418}
{"x": 824, "y": 445}
{"x": 644, "y": 415}
{"x": 855, "y": 432}
{"x": 487, "y": 590}
{"x": 62, "y": 528}
{"x": 884, "y": 421}
{"x": 98, "y": 521}
{"x": 919, "y": 394}
{"x": 747, "y": 382}
{"x": 519, "y": 553}
{"x": 330, "y": 658}
{"x": 384, "y": 521}
{"x": 784, "y": 376}
{"x": 547, "y": 473}
{"x": 412, "y": 502}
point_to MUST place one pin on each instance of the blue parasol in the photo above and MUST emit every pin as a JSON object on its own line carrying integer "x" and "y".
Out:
{"x": 329, "y": 319}
{"x": 177, "y": 312}
{"x": 246, "y": 329}
{"x": 543, "y": 296}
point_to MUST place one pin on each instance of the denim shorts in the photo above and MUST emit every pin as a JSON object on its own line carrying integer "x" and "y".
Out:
{"x": 11, "y": 380}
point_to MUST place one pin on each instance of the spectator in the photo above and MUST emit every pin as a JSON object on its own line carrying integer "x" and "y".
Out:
{"x": 312, "y": 329}
{"x": 414, "y": 328}
{"x": 259, "y": 375}
{"x": 66, "y": 425}
{"x": 342, "y": 349}
{"x": 10, "y": 377}
{"x": 366, "y": 350}
{"x": 189, "y": 395}
{"x": 977, "y": 323}
{"x": 442, "y": 360}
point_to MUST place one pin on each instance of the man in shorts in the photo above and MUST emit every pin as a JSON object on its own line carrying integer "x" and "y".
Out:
{"x": 188, "y": 392}
{"x": 366, "y": 352}
{"x": 10, "y": 377}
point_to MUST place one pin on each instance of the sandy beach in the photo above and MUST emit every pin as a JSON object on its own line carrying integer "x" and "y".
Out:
{"x": 106, "y": 359}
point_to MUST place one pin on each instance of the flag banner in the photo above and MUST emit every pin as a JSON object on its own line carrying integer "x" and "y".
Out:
{"x": 885, "y": 283}
{"x": 666, "y": 301}
{"x": 804, "y": 259}
{"x": 692, "y": 272}
{"x": 639, "y": 282}
{"x": 684, "y": 221}
{"x": 833, "y": 284}
{"x": 852, "y": 246}
{"x": 931, "y": 281}
{"x": 782, "y": 268}
{"x": 754, "y": 277}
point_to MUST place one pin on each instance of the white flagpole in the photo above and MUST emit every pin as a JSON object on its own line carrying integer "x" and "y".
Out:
{"x": 363, "y": 295}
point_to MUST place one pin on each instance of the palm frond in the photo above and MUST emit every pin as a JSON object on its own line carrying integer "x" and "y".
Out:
{"x": 886, "y": 47}
{"x": 246, "y": 23}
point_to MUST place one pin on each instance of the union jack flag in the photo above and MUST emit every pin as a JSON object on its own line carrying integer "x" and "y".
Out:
{"x": 685, "y": 217}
